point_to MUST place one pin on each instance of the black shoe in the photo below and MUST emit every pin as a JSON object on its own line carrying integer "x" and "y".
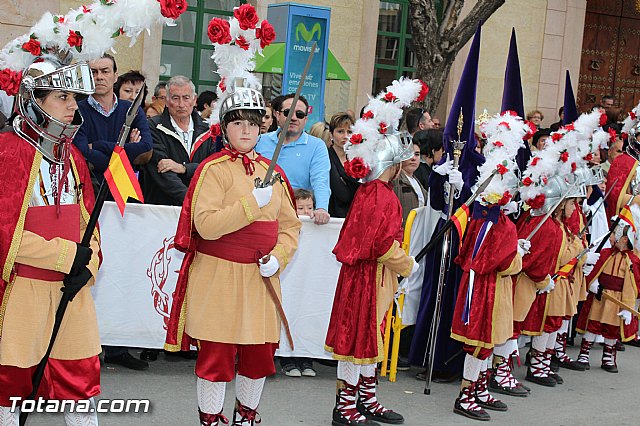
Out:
{"x": 475, "y": 415}
{"x": 338, "y": 420}
{"x": 390, "y": 417}
{"x": 127, "y": 361}
{"x": 496, "y": 405}
{"x": 634, "y": 342}
{"x": 555, "y": 376}
{"x": 517, "y": 391}
{"x": 544, "y": 381}
{"x": 149, "y": 354}
{"x": 177, "y": 356}
{"x": 573, "y": 365}
{"x": 620, "y": 346}
{"x": 610, "y": 368}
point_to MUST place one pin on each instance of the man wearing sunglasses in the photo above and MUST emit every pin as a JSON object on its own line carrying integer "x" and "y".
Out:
{"x": 304, "y": 158}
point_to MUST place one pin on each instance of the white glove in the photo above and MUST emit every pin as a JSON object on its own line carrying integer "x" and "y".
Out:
{"x": 444, "y": 168}
{"x": 523, "y": 247}
{"x": 587, "y": 268}
{"x": 269, "y": 267}
{"x": 593, "y": 287}
{"x": 592, "y": 258}
{"x": 626, "y": 316}
{"x": 455, "y": 179}
{"x": 263, "y": 195}
{"x": 549, "y": 286}
{"x": 415, "y": 266}
{"x": 510, "y": 207}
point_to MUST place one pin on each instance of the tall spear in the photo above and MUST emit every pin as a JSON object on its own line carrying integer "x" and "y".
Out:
{"x": 458, "y": 146}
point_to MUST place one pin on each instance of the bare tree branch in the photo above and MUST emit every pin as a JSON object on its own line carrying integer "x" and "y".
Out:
{"x": 445, "y": 18}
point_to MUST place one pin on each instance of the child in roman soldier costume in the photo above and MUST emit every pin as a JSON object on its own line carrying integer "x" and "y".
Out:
{"x": 369, "y": 249}
{"x": 490, "y": 254}
{"x": 238, "y": 237}
{"x": 617, "y": 274}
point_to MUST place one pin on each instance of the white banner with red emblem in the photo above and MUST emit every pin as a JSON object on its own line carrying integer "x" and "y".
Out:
{"x": 140, "y": 269}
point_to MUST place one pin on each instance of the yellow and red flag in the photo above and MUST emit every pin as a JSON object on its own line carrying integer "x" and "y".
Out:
{"x": 625, "y": 214}
{"x": 121, "y": 179}
{"x": 566, "y": 269}
{"x": 460, "y": 220}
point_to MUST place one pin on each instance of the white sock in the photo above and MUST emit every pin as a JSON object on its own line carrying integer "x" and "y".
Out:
{"x": 7, "y": 418}
{"x": 472, "y": 368}
{"x": 82, "y": 419}
{"x": 539, "y": 343}
{"x": 368, "y": 370}
{"x": 610, "y": 342}
{"x": 504, "y": 350}
{"x": 249, "y": 391}
{"x": 551, "y": 340}
{"x": 589, "y": 336}
{"x": 210, "y": 395}
{"x": 564, "y": 328}
{"x": 349, "y": 372}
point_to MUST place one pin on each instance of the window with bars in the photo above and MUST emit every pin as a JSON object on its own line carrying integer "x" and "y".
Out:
{"x": 186, "y": 49}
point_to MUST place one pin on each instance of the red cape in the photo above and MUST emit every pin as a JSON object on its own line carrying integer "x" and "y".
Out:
{"x": 373, "y": 223}
{"x": 185, "y": 240}
{"x": 498, "y": 250}
{"x": 620, "y": 172}
{"x": 19, "y": 166}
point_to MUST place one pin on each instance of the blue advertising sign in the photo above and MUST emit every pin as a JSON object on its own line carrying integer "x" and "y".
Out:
{"x": 304, "y": 26}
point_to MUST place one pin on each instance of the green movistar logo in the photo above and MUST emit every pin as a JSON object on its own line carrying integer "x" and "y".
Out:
{"x": 301, "y": 31}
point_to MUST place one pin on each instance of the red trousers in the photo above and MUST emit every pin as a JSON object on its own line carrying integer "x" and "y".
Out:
{"x": 63, "y": 379}
{"x": 217, "y": 361}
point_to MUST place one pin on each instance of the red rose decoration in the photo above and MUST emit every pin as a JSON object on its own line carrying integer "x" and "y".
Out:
{"x": 356, "y": 168}
{"x": 266, "y": 34}
{"x": 573, "y": 167}
{"x": 505, "y": 124}
{"x": 86, "y": 9}
{"x": 242, "y": 43}
{"x": 368, "y": 115}
{"x": 498, "y": 144}
{"x": 506, "y": 197}
{"x": 532, "y": 130}
{"x": 556, "y": 136}
{"x": 389, "y": 97}
{"x": 588, "y": 157}
{"x": 564, "y": 157}
{"x": 172, "y": 8}
{"x": 603, "y": 119}
{"x": 75, "y": 40}
{"x": 569, "y": 127}
{"x": 632, "y": 115}
{"x": 219, "y": 31}
{"x": 502, "y": 169}
{"x": 215, "y": 130}
{"x": 511, "y": 113}
{"x": 535, "y": 161}
{"x": 424, "y": 91}
{"x": 612, "y": 135}
{"x": 383, "y": 128}
{"x": 10, "y": 81}
{"x": 33, "y": 47}
{"x": 545, "y": 180}
{"x": 624, "y": 135}
{"x": 527, "y": 181}
{"x": 356, "y": 138}
{"x": 222, "y": 86}
{"x": 247, "y": 16}
{"x": 537, "y": 202}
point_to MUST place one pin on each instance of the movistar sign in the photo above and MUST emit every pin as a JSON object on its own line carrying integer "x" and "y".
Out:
{"x": 302, "y": 31}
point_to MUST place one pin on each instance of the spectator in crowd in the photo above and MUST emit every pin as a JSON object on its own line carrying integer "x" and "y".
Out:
{"x": 615, "y": 148}
{"x": 304, "y": 158}
{"x": 177, "y": 146}
{"x": 321, "y": 131}
{"x": 128, "y": 86}
{"x": 607, "y": 102}
{"x": 540, "y": 139}
{"x": 613, "y": 115}
{"x": 268, "y": 123}
{"x": 343, "y": 186}
{"x": 304, "y": 202}
{"x": 104, "y": 116}
{"x": 154, "y": 108}
{"x": 205, "y": 103}
{"x": 431, "y": 150}
{"x": 408, "y": 189}
{"x": 160, "y": 93}
{"x": 418, "y": 119}
{"x": 436, "y": 122}
{"x": 535, "y": 117}
{"x": 555, "y": 126}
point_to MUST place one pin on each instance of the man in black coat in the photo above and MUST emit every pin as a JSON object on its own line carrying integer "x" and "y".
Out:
{"x": 180, "y": 143}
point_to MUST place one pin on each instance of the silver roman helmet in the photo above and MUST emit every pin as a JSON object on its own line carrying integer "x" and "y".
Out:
{"x": 553, "y": 191}
{"x": 242, "y": 97}
{"x": 393, "y": 149}
{"x": 48, "y": 135}
{"x": 590, "y": 175}
{"x": 633, "y": 144}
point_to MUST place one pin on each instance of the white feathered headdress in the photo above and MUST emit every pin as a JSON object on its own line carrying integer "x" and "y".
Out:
{"x": 83, "y": 34}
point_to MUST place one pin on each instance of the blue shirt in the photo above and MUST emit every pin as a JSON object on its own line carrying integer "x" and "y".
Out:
{"x": 304, "y": 161}
{"x": 102, "y": 131}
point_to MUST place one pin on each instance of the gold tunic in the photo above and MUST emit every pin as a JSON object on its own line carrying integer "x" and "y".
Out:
{"x": 228, "y": 302}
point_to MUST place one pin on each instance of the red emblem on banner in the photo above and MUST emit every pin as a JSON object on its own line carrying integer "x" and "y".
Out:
{"x": 158, "y": 272}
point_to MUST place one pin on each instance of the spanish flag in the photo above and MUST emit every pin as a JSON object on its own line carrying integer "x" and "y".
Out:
{"x": 625, "y": 214}
{"x": 121, "y": 179}
{"x": 567, "y": 268}
{"x": 460, "y": 219}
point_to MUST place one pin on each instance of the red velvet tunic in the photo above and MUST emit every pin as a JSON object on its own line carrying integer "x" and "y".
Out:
{"x": 368, "y": 248}
{"x": 491, "y": 313}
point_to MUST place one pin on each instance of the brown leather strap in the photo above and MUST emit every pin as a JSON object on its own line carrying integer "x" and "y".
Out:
{"x": 276, "y": 301}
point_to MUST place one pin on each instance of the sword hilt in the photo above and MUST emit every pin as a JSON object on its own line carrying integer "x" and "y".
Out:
{"x": 259, "y": 183}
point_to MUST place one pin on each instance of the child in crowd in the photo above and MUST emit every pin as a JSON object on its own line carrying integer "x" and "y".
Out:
{"x": 305, "y": 202}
